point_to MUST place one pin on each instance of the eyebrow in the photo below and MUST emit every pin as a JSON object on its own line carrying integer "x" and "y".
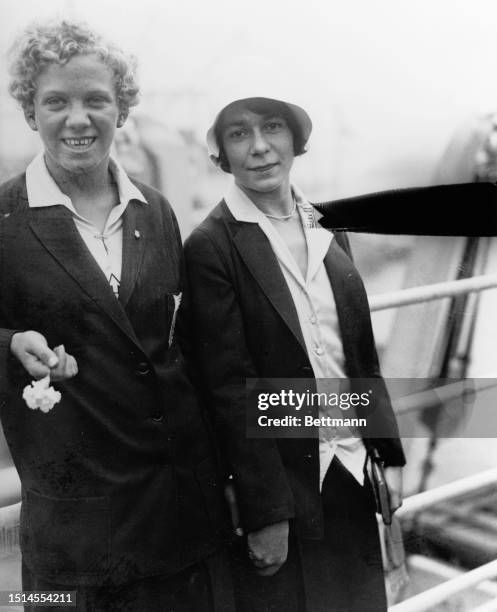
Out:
{"x": 241, "y": 123}
{"x": 61, "y": 92}
{"x": 100, "y": 92}
{"x": 234, "y": 124}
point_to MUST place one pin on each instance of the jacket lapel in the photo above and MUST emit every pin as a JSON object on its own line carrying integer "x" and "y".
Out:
{"x": 134, "y": 240}
{"x": 350, "y": 300}
{"x": 346, "y": 284}
{"x": 56, "y": 231}
{"x": 256, "y": 252}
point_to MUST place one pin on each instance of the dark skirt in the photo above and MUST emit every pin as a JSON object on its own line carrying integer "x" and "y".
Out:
{"x": 341, "y": 573}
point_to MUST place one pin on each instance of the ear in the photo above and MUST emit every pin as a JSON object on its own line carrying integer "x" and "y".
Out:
{"x": 29, "y": 115}
{"x": 121, "y": 119}
{"x": 214, "y": 159}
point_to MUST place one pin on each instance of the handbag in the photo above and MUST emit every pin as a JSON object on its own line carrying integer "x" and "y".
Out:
{"x": 380, "y": 487}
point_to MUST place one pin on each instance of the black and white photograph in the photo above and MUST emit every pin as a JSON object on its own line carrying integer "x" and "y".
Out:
{"x": 248, "y": 297}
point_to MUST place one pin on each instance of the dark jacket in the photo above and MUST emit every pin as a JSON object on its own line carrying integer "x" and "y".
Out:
{"x": 118, "y": 480}
{"x": 246, "y": 326}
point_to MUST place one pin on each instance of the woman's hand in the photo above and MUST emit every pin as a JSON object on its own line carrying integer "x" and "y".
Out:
{"x": 393, "y": 476}
{"x": 268, "y": 548}
{"x": 32, "y": 350}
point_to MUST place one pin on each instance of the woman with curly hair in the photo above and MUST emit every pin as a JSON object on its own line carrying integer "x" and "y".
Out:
{"x": 119, "y": 489}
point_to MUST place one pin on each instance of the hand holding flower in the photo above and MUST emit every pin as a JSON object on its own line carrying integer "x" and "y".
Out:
{"x": 32, "y": 350}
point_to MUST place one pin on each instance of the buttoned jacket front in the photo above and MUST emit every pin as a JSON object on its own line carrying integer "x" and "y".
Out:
{"x": 246, "y": 326}
{"x": 118, "y": 480}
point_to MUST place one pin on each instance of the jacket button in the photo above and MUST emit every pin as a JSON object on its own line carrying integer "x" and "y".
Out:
{"x": 306, "y": 369}
{"x": 157, "y": 417}
{"x": 142, "y": 369}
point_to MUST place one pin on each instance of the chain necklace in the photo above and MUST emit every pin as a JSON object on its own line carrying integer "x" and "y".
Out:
{"x": 284, "y": 217}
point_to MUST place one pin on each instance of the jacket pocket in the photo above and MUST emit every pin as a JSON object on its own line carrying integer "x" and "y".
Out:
{"x": 67, "y": 538}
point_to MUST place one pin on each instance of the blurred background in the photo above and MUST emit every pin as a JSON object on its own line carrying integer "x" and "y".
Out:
{"x": 386, "y": 82}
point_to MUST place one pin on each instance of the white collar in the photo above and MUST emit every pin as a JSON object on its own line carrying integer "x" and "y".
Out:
{"x": 241, "y": 206}
{"x": 44, "y": 191}
{"x": 243, "y": 209}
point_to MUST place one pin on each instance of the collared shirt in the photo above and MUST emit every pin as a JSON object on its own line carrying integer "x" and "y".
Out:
{"x": 106, "y": 246}
{"x": 315, "y": 305}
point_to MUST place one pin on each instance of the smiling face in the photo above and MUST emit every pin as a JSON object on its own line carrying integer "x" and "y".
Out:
{"x": 259, "y": 149}
{"x": 75, "y": 111}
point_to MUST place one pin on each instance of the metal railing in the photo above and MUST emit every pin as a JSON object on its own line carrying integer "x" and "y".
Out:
{"x": 452, "y": 490}
{"x": 428, "y": 599}
{"x": 427, "y": 293}
{"x": 10, "y": 484}
{"x": 433, "y": 397}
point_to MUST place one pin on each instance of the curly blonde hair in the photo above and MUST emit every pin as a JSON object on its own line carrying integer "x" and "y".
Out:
{"x": 57, "y": 42}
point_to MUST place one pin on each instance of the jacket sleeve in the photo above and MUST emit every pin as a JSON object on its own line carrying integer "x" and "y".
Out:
{"x": 5, "y": 360}
{"x": 390, "y": 448}
{"x": 9, "y": 366}
{"x": 216, "y": 322}
{"x": 5, "y": 335}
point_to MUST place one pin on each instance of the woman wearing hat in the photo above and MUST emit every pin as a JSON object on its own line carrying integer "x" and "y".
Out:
{"x": 274, "y": 296}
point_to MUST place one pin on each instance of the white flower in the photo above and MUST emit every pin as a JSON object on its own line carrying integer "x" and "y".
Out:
{"x": 40, "y": 395}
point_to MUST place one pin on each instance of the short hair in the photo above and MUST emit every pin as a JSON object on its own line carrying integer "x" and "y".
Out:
{"x": 262, "y": 106}
{"x": 56, "y": 43}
